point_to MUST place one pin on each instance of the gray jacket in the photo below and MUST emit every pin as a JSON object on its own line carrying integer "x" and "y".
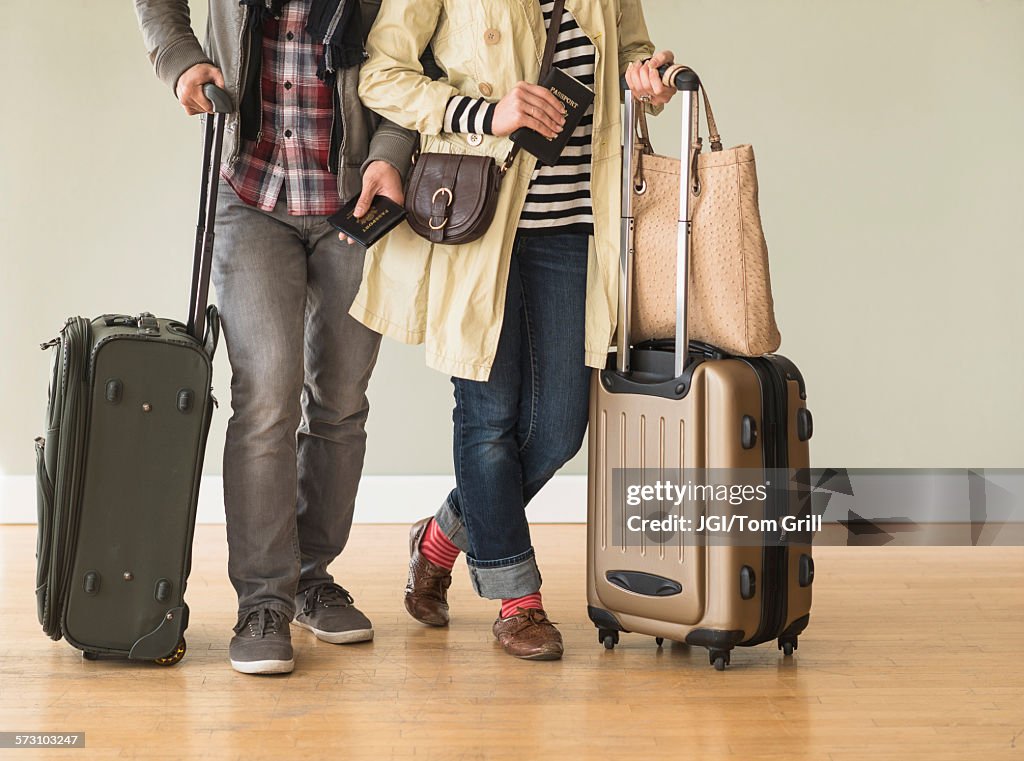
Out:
{"x": 173, "y": 48}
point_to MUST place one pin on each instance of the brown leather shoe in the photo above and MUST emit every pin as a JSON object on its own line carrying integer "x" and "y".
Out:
{"x": 530, "y": 635}
{"x": 426, "y": 593}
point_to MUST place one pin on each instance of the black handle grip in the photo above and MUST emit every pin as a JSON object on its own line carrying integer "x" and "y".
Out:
{"x": 219, "y": 98}
{"x": 685, "y": 79}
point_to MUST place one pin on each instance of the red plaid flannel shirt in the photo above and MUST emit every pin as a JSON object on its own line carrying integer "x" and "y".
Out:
{"x": 297, "y": 115}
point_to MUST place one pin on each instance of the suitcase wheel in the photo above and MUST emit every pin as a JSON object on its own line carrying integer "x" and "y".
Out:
{"x": 659, "y": 641}
{"x": 88, "y": 655}
{"x": 719, "y": 659}
{"x": 608, "y": 637}
{"x": 787, "y": 645}
{"x": 177, "y": 655}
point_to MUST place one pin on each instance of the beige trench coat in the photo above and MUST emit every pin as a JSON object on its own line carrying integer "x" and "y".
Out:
{"x": 452, "y": 297}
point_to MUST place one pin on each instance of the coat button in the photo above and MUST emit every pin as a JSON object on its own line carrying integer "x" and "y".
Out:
{"x": 492, "y": 36}
{"x": 486, "y": 90}
{"x": 475, "y": 139}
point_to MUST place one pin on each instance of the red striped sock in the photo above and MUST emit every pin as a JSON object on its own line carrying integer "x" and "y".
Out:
{"x": 438, "y": 548}
{"x": 510, "y": 606}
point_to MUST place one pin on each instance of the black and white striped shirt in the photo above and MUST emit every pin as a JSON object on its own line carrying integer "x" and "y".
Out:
{"x": 559, "y": 199}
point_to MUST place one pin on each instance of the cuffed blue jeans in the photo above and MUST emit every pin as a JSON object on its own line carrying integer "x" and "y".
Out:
{"x": 515, "y": 430}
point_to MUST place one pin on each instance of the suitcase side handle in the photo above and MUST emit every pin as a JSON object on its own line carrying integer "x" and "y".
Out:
{"x": 691, "y": 85}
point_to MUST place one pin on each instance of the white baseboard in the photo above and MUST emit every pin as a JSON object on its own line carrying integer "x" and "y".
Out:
{"x": 382, "y": 499}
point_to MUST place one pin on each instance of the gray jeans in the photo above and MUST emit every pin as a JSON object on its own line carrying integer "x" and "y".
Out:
{"x": 299, "y": 371}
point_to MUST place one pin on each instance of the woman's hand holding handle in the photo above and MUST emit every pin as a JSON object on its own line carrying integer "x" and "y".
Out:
{"x": 644, "y": 80}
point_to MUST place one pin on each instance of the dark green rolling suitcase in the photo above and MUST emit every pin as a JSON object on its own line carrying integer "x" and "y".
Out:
{"x": 119, "y": 466}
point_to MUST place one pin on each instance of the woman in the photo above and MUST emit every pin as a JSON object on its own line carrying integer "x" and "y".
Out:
{"x": 518, "y": 316}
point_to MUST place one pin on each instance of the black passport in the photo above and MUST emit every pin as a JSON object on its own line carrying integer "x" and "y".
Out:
{"x": 383, "y": 216}
{"x": 576, "y": 97}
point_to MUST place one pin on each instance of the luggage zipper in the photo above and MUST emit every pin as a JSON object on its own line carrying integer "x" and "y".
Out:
{"x": 775, "y": 556}
{"x": 70, "y": 472}
{"x": 244, "y": 56}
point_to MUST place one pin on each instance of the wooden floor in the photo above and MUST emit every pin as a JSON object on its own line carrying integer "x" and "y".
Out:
{"x": 912, "y": 653}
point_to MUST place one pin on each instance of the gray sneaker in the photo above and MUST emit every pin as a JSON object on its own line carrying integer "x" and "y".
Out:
{"x": 328, "y": 612}
{"x": 262, "y": 644}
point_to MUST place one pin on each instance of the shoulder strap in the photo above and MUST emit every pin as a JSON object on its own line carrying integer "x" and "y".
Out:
{"x": 713, "y": 136}
{"x": 643, "y": 138}
{"x": 545, "y": 64}
{"x": 552, "y": 39}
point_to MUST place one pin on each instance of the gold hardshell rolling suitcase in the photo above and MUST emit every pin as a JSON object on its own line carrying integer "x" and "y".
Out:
{"x": 657, "y": 412}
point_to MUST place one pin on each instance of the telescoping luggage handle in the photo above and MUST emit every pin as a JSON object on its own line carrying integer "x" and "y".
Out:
{"x": 686, "y": 81}
{"x": 202, "y": 263}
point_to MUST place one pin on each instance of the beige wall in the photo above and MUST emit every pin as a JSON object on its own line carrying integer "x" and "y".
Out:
{"x": 888, "y": 134}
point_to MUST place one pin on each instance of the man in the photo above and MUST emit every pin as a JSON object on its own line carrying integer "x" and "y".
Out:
{"x": 299, "y": 145}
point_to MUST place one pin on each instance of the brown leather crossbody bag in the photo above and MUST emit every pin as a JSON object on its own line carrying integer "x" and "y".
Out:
{"x": 451, "y": 198}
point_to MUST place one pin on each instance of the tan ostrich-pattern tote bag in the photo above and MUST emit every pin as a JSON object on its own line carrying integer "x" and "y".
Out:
{"x": 730, "y": 295}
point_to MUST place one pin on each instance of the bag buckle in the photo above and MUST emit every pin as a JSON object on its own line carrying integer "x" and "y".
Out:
{"x": 438, "y": 212}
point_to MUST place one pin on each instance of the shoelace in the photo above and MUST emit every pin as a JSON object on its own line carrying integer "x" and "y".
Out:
{"x": 531, "y": 617}
{"x": 262, "y": 622}
{"x": 327, "y": 596}
{"x": 434, "y": 578}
